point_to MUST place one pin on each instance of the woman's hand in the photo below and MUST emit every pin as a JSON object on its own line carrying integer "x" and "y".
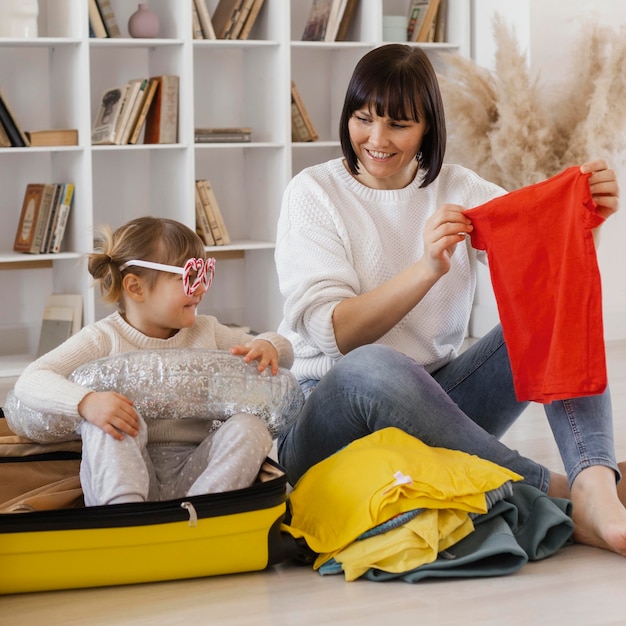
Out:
{"x": 604, "y": 186}
{"x": 443, "y": 230}
{"x": 259, "y": 350}
{"x": 110, "y": 411}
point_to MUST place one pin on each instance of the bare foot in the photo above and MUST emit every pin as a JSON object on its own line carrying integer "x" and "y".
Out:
{"x": 598, "y": 512}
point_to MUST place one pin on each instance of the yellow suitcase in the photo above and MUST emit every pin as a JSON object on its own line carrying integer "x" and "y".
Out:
{"x": 223, "y": 533}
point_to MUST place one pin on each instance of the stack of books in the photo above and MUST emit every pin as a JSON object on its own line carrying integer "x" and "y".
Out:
{"x": 43, "y": 220}
{"x": 302, "y": 128}
{"x": 148, "y": 104}
{"x": 234, "y": 19}
{"x": 239, "y": 134}
{"x": 210, "y": 223}
{"x": 329, "y": 20}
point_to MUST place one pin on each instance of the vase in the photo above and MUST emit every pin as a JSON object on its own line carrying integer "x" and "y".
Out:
{"x": 143, "y": 23}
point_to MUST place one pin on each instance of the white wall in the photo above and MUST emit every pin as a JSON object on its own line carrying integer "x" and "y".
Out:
{"x": 547, "y": 30}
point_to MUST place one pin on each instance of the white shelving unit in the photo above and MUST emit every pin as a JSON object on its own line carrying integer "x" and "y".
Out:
{"x": 55, "y": 81}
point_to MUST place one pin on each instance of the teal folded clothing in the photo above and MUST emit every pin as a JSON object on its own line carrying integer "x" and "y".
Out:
{"x": 491, "y": 550}
{"x": 525, "y": 526}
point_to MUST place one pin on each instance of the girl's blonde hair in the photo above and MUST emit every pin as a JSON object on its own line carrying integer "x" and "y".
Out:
{"x": 155, "y": 239}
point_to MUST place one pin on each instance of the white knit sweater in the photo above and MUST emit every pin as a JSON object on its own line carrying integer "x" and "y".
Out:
{"x": 44, "y": 385}
{"x": 338, "y": 238}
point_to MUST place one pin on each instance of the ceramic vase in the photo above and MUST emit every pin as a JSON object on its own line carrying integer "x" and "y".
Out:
{"x": 143, "y": 23}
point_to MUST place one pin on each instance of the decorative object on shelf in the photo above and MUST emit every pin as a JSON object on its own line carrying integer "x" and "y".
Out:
{"x": 395, "y": 27}
{"x": 504, "y": 127}
{"x": 143, "y": 23}
{"x": 18, "y": 18}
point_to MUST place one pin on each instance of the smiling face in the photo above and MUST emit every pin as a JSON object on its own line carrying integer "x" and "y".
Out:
{"x": 162, "y": 308}
{"x": 393, "y": 110}
{"x": 385, "y": 148}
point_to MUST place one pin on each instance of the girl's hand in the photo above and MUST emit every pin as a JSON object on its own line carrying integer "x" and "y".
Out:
{"x": 259, "y": 350}
{"x": 443, "y": 230}
{"x": 604, "y": 186}
{"x": 110, "y": 411}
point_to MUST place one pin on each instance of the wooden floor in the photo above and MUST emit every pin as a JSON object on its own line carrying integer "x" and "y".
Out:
{"x": 579, "y": 586}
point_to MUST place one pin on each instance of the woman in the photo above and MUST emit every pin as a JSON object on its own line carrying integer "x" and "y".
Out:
{"x": 375, "y": 263}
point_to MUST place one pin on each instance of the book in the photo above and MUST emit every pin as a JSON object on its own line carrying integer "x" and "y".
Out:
{"x": 130, "y": 96}
{"x": 149, "y": 92}
{"x": 251, "y": 19}
{"x": 217, "y": 212}
{"x": 202, "y": 187}
{"x": 334, "y": 19}
{"x": 346, "y": 20}
{"x": 441, "y": 27}
{"x": 219, "y": 135}
{"x": 96, "y": 22}
{"x": 237, "y": 24}
{"x": 62, "y": 216}
{"x": 203, "y": 228}
{"x": 105, "y": 124}
{"x": 108, "y": 17}
{"x": 225, "y": 14}
{"x": 196, "y": 27}
{"x": 13, "y": 129}
{"x": 42, "y": 217}
{"x": 133, "y": 112}
{"x": 5, "y": 142}
{"x": 428, "y": 24}
{"x": 417, "y": 12}
{"x": 206, "y": 25}
{"x": 302, "y": 128}
{"x": 162, "y": 120}
{"x": 53, "y": 137}
{"x": 425, "y": 14}
{"x": 28, "y": 217}
{"x": 317, "y": 20}
{"x": 50, "y": 219}
{"x": 62, "y": 317}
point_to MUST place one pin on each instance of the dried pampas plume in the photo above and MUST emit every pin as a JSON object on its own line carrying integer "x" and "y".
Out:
{"x": 501, "y": 124}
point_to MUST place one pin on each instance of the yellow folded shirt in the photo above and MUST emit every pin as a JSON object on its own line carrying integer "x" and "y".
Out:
{"x": 402, "y": 549}
{"x": 381, "y": 475}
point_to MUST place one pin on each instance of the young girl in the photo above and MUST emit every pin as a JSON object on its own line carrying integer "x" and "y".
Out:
{"x": 156, "y": 272}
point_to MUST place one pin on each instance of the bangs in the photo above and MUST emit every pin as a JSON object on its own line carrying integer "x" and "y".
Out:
{"x": 393, "y": 98}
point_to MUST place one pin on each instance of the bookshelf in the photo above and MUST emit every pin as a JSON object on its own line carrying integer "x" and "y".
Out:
{"x": 55, "y": 81}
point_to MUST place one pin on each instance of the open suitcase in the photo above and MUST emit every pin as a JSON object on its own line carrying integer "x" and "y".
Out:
{"x": 62, "y": 548}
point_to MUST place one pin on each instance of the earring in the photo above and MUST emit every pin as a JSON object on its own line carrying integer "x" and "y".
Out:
{"x": 418, "y": 157}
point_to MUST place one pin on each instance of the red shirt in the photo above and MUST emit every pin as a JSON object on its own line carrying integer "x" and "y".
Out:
{"x": 545, "y": 277}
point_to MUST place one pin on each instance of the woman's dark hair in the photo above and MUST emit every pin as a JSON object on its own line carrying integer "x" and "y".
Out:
{"x": 399, "y": 82}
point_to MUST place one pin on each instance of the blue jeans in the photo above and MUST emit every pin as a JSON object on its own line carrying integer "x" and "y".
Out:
{"x": 467, "y": 405}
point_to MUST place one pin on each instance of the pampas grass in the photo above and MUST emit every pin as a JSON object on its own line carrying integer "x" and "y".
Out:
{"x": 503, "y": 126}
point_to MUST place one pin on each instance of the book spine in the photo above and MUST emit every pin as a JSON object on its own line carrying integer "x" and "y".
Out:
{"x": 250, "y": 21}
{"x": 14, "y": 131}
{"x": 162, "y": 121}
{"x": 196, "y": 27}
{"x": 143, "y": 112}
{"x": 42, "y": 217}
{"x": 219, "y": 217}
{"x": 95, "y": 21}
{"x": 64, "y": 211}
{"x": 28, "y": 217}
{"x": 49, "y": 229}
{"x": 206, "y": 203}
{"x": 202, "y": 222}
{"x": 108, "y": 17}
